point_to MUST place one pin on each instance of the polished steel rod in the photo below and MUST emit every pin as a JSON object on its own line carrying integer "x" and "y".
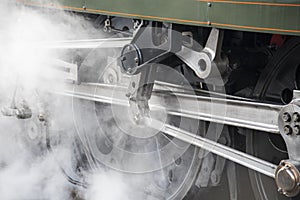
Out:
{"x": 236, "y": 156}
{"x": 87, "y": 44}
{"x": 246, "y": 114}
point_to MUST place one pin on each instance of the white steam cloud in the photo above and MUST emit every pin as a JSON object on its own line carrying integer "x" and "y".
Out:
{"x": 28, "y": 171}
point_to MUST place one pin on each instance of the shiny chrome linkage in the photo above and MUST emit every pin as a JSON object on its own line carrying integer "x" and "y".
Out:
{"x": 277, "y": 119}
{"x": 232, "y": 111}
{"x": 86, "y": 44}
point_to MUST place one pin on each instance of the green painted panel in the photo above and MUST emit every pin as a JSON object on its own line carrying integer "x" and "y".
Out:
{"x": 54, "y": 3}
{"x": 178, "y": 9}
{"x": 273, "y": 16}
{"x": 73, "y": 3}
{"x": 264, "y": 18}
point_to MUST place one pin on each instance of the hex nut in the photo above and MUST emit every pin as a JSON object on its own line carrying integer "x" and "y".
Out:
{"x": 287, "y": 130}
{"x": 296, "y": 129}
{"x": 296, "y": 117}
{"x": 286, "y": 117}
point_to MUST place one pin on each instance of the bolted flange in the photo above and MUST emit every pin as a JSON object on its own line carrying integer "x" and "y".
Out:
{"x": 130, "y": 58}
{"x": 287, "y": 174}
{"x": 289, "y": 120}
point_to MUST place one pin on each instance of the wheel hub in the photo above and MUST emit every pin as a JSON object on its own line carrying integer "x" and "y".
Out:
{"x": 288, "y": 179}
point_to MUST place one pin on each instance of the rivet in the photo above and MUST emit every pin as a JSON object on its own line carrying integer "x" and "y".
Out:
{"x": 136, "y": 60}
{"x": 41, "y": 117}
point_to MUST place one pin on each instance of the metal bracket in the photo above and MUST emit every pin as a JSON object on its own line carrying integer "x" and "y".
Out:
{"x": 212, "y": 166}
{"x": 289, "y": 128}
{"x": 66, "y": 71}
{"x": 107, "y": 25}
{"x": 152, "y": 43}
{"x": 139, "y": 93}
{"x": 20, "y": 110}
{"x": 202, "y": 62}
{"x": 287, "y": 174}
{"x": 137, "y": 24}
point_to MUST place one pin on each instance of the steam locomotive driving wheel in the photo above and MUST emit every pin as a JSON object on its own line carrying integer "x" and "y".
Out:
{"x": 276, "y": 85}
{"x": 130, "y": 143}
{"x": 154, "y": 165}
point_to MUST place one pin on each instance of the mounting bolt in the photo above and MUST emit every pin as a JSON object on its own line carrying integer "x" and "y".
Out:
{"x": 287, "y": 167}
{"x": 129, "y": 70}
{"x": 123, "y": 58}
{"x": 296, "y": 117}
{"x": 136, "y": 59}
{"x": 286, "y": 117}
{"x": 133, "y": 84}
{"x": 296, "y": 129}
{"x": 287, "y": 130}
{"x": 209, "y": 4}
{"x": 41, "y": 117}
{"x": 215, "y": 177}
{"x": 178, "y": 161}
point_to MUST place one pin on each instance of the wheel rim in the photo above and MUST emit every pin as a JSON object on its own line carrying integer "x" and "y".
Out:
{"x": 180, "y": 174}
{"x": 275, "y": 85}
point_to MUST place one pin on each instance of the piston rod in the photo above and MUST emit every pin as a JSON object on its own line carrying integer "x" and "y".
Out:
{"x": 87, "y": 44}
{"x": 240, "y": 113}
{"x": 236, "y": 156}
{"x": 117, "y": 95}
